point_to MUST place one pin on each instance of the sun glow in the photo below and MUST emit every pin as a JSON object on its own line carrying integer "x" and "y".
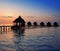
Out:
{"x": 9, "y": 14}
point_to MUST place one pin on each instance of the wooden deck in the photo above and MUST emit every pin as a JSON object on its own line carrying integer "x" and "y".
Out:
{"x": 4, "y": 28}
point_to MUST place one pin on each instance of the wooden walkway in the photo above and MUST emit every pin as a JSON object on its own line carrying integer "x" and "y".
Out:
{"x": 4, "y": 28}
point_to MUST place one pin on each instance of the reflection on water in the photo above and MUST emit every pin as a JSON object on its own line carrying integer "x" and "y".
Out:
{"x": 38, "y": 39}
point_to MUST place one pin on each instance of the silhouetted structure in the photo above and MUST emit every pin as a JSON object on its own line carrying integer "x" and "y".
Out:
{"x": 29, "y": 24}
{"x": 35, "y": 24}
{"x": 42, "y": 24}
{"x": 49, "y": 24}
{"x": 19, "y": 22}
{"x": 55, "y": 24}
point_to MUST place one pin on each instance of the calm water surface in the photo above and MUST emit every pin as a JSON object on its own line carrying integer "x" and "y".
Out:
{"x": 36, "y": 39}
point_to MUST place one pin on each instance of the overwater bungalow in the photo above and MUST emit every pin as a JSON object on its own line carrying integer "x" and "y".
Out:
{"x": 55, "y": 24}
{"x": 49, "y": 24}
{"x": 29, "y": 23}
{"x": 42, "y": 24}
{"x": 18, "y": 23}
{"x": 35, "y": 24}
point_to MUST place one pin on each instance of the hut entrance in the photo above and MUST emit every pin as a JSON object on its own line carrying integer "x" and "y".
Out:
{"x": 19, "y": 22}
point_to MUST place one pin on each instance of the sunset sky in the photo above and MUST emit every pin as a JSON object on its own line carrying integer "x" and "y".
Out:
{"x": 43, "y": 10}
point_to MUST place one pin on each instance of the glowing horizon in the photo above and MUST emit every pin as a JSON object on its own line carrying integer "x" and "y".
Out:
{"x": 49, "y": 9}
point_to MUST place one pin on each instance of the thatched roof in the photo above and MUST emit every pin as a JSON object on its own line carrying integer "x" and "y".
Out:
{"x": 19, "y": 20}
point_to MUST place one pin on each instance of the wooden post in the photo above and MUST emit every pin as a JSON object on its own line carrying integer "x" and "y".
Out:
{"x": 6, "y": 28}
{"x": 1, "y": 29}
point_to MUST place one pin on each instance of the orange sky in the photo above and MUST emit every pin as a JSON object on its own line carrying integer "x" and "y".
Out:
{"x": 30, "y": 10}
{"x": 8, "y": 20}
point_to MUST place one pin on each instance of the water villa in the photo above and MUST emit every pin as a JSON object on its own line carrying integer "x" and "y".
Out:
{"x": 18, "y": 23}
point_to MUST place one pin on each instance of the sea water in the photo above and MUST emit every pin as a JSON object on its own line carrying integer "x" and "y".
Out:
{"x": 32, "y": 39}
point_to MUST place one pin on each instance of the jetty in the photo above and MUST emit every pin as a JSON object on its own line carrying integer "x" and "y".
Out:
{"x": 5, "y": 28}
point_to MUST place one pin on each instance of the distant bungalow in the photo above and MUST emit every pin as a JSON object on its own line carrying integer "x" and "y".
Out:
{"x": 42, "y": 24}
{"x": 18, "y": 23}
{"x": 35, "y": 23}
{"x": 29, "y": 24}
{"x": 49, "y": 24}
{"x": 55, "y": 24}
